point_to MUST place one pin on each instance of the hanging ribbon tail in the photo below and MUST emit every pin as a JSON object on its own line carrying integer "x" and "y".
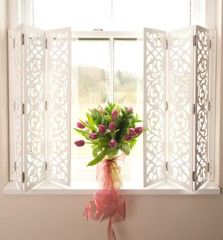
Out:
{"x": 110, "y": 231}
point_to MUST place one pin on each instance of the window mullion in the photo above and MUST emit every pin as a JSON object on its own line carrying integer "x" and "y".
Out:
{"x": 111, "y": 63}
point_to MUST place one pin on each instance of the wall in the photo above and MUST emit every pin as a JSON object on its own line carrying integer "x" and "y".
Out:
{"x": 60, "y": 217}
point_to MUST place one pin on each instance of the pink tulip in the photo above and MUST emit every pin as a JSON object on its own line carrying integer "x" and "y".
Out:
{"x": 93, "y": 135}
{"x": 114, "y": 114}
{"x": 113, "y": 143}
{"x": 132, "y": 132}
{"x": 101, "y": 128}
{"x": 79, "y": 143}
{"x": 80, "y": 125}
{"x": 127, "y": 137}
{"x": 129, "y": 109}
{"x": 111, "y": 126}
{"x": 138, "y": 130}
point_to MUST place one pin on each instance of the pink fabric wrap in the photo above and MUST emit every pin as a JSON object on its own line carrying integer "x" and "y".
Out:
{"x": 107, "y": 203}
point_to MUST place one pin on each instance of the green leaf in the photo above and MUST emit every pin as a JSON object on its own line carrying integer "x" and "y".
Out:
{"x": 98, "y": 158}
{"x": 90, "y": 121}
{"x": 125, "y": 148}
{"x": 82, "y": 132}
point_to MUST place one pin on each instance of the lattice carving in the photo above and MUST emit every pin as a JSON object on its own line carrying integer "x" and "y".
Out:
{"x": 34, "y": 93}
{"x": 202, "y": 62}
{"x": 154, "y": 105}
{"x": 18, "y": 105}
{"x": 180, "y": 100}
{"x": 59, "y": 61}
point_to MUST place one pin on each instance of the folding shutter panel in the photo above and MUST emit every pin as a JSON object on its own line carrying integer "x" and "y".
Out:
{"x": 201, "y": 107}
{"x": 180, "y": 100}
{"x": 18, "y": 64}
{"x": 58, "y": 98}
{"x": 154, "y": 105}
{"x": 34, "y": 108}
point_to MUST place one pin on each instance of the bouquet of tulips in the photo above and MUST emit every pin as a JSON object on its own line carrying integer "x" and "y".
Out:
{"x": 109, "y": 130}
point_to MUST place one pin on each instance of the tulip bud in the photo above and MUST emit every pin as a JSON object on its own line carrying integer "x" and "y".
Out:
{"x": 80, "y": 125}
{"x": 93, "y": 135}
{"x": 101, "y": 128}
{"x": 113, "y": 143}
{"x": 132, "y": 132}
{"x": 129, "y": 109}
{"x": 111, "y": 126}
{"x": 138, "y": 130}
{"x": 127, "y": 137}
{"x": 79, "y": 143}
{"x": 114, "y": 114}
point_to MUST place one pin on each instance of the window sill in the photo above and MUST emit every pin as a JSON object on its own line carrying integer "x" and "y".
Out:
{"x": 164, "y": 188}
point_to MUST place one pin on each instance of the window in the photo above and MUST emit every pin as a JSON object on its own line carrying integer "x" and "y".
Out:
{"x": 108, "y": 65}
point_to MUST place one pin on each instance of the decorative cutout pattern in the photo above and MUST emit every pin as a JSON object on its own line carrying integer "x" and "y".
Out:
{"x": 18, "y": 105}
{"x": 59, "y": 62}
{"x": 34, "y": 93}
{"x": 154, "y": 105}
{"x": 180, "y": 100}
{"x": 202, "y": 62}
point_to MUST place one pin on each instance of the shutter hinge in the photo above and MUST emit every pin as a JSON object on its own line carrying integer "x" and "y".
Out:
{"x": 23, "y": 108}
{"x": 194, "y": 178}
{"x": 46, "y": 105}
{"x": 15, "y": 167}
{"x": 23, "y": 177}
{"x": 23, "y": 39}
{"x": 167, "y": 44}
{"x": 46, "y": 166}
{"x": 166, "y": 166}
{"x": 209, "y": 106}
{"x": 193, "y": 109}
{"x": 195, "y": 40}
{"x": 208, "y": 167}
{"x": 46, "y": 43}
{"x": 167, "y": 106}
{"x": 210, "y": 44}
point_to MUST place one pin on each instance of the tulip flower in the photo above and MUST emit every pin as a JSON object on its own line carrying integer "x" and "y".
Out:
{"x": 93, "y": 135}
{"x": 101, "y": 128}
{"x": 132, "y": 132}
{"x": 79, "y": 143}
{"x": 138, "y": 130}
{"x": 114, "y": 114}
{"x": 127, "y": 137}
{"x": 80, "y": 125}
{"x": 111, "y": 126}
{"x": 129, "y": 109}
{"x": 113, "y": 143}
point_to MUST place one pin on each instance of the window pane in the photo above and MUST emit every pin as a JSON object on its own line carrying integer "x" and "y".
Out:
{"x": 151, "y": 13}
{"x": 81, "y": 14}
{"x": 128, "y": 91}
{"x": 90, "y": 81}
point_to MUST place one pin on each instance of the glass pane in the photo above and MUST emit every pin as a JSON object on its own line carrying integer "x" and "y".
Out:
{"x": 81, "y": 14}
{"x": 151, "y": 13}
{"x": 128, "y": 67}
{"x": 90, "y": 81}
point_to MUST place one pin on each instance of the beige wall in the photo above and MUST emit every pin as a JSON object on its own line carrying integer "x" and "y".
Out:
{"x": 60, "y": 217}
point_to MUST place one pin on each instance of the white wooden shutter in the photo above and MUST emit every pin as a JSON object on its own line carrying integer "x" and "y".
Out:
{"x": 180, "y": 117}
{"x": 154, "y": 106}
{"x": 34, "y": 109}
{"x": 201, "y": 105}
{"x": 58, "y": 104}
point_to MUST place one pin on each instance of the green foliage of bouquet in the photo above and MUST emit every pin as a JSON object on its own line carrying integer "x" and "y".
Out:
{"x": 109, "y": 130}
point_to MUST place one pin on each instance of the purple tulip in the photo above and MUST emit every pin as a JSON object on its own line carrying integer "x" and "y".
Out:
{"x": 111, "y": 126}
{"x": 132, "y": 132}
{"x": 93, "y": 135}
{"x": 113, "y": 143}
{"x": 114, "y": 114}
{"x": 101, "y": 128}
{"x": 79, "y": 143}
{"x": 80, "y": 125}
{"x": 138, "y": 130}
{"x": 127, "y": 137}
{"x": 129, "y": 109}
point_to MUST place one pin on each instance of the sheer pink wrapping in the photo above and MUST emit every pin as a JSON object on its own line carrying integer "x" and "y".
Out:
{"x": 107, "y": 202}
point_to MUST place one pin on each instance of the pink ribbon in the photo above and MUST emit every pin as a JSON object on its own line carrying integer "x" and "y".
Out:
{"x": 107, "y": 203}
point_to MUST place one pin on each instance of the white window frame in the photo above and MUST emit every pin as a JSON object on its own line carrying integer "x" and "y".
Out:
{"x": 209, "y": 20}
